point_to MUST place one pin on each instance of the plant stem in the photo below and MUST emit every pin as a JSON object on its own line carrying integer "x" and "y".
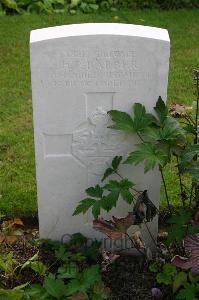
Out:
{"x": 165, "y": 189}
{"x": 196, "y": 74}
{"x": 140, "y": 137}
{"x": 197, "y": 105}
{"x": 191, "y": 196}
{"x": 180, "y": 180}
{"x": 134, "y": 190}
{"x": 149, "y": 232}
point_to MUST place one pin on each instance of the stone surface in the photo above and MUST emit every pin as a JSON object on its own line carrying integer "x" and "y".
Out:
{"x": 79, "y": 72}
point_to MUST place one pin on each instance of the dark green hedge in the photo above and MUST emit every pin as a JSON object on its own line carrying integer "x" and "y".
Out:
{"x": 89, "y": 6}
{"x": 160, "y": 4}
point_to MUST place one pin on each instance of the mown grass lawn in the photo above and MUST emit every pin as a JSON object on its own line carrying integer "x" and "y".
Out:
{"x": 17, "y": 172}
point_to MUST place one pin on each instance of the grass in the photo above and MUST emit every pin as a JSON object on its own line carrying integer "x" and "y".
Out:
{"x": 17, "y": 171}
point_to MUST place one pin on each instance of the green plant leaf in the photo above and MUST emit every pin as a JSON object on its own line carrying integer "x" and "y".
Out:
{"x": 84, "y": 206}
{"x": 74, "y": 286}
{"x": 116, "y": 188}
{"x": 172, "y": 130}
{"x": 108, "y": 172}
{"x": 179, "y": 280}
{"x": 96, "y": 209}
{"x": 194, "y": 171}
{"x": 36, "y": 291}
{"x": 149, "y": 154}
{"x": 154, "y": 267}
{"x": 55, "y": 287}
{"x": 109, "y": 201}
{"x": 152, "y": 133}
{"x": 190, "y": 292}
{"x": 121, "y": 121}
{"x": 90, "y": 276}
{"x": 38, "y": 267}
{"x": 141, "y": 119}
{"x": 116, "y": 162}
{"x": 68, "y": 271}
{"x": 11, "y": 294}
{"x": 84, "y": 280}
{"x": 178, "y": 228}
{"x": 28, "y": 262}
{"x": 74, "y": 3}
{"x": 95, "y": 191}
{"x": 11, "y": 4}
{"x": 176, "y": 234}
{"x": 127, "y": 196}
{"x": 167, "y": 275}
{"x": 189, "y": 153}
{"x": 161, "y": 110}
{"x": 181, "y": 219}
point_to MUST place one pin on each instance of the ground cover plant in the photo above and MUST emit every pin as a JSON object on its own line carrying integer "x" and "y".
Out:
{"x": 17, "y": 173}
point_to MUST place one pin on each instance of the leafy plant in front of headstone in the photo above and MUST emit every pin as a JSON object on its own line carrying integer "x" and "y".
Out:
{"x": 106, "y": 197}
{"x": 162, "y": 139}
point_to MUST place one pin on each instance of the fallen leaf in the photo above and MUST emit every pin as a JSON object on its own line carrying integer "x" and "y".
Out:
{"x": 107, "y": 227}
{"x": 178, "y": 110}
{"x": 18, "y": 221}
{"x": 191, "y": 243}
{"x": 2, "y": 238}
{"x": 108, "y": 258}
{"x": 144, "y": 208}
{"x": 116, "y": 227}
{"x": 11, "y": 239}
{"x": 137, "y": 238}
{"x": 122, "y": 224}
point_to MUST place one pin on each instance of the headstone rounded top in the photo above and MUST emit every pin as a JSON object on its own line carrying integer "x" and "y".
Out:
{"x": 49, "y": 33}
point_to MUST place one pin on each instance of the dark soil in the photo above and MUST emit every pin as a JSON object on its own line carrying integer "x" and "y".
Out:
{"x": 127, "y": 278}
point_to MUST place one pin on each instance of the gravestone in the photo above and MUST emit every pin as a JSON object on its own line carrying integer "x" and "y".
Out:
{"x": 79, "y": 72}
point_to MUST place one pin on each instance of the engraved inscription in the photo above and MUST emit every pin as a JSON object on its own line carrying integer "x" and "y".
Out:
{"x": 94, "y": 144}
{"x": 96, "y": 67}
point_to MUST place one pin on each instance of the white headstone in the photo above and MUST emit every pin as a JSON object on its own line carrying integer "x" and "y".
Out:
{"x": 79, "y": 72}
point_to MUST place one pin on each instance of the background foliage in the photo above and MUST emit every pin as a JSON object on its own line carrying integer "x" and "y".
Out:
{"x": 88, "y": 6}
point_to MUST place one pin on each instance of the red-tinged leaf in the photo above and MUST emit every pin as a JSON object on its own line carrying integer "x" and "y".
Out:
{"x": 181, "y": 262}
{"x": 18, "y": 221}
{"x": 11, "y": 239}
{"x": 122, "y": 224}
{"x": 116, "y": 227}
{"x": 2, "y": 238}
{"x": 191, "y": 243}
{"x": 108, "y": 228}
